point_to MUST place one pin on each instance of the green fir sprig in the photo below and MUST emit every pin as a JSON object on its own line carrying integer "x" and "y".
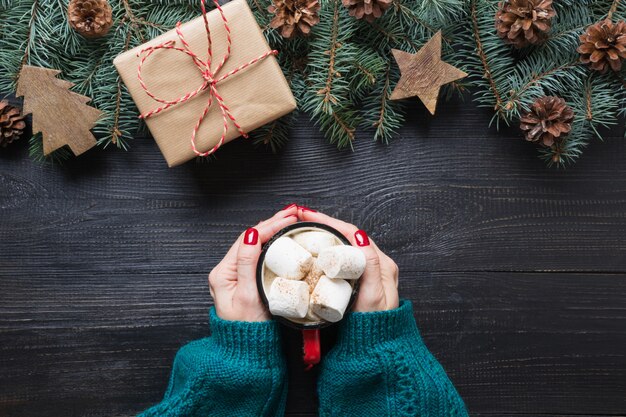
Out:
{"x": 343, "y": 73}
{"x": 509, "y": 80}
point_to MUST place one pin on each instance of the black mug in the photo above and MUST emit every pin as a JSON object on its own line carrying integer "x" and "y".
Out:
{"x": 310, "y": 331}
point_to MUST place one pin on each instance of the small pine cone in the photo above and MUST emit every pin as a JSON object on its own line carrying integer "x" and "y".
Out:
{"x": 90, "y": 18}
{"x": 367, "y": 9}
{"x": 294, "y": 17}
{"x": 524, "y": 22}
{"x": 11, "y": 123}
{"x": 548, "y": 121}
{"x": 603, "y": 45}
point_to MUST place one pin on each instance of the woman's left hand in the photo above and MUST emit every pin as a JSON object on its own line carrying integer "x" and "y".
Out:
{"x": 233, "y": 281}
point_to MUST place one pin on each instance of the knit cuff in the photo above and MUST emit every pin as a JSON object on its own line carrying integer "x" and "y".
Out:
{"x": 361, "y": 332}
{"x": 256, "y": 342}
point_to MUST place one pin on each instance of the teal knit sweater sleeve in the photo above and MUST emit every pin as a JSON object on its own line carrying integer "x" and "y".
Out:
{"x": 238, "y": 371}
{"x": 381, "y": 367}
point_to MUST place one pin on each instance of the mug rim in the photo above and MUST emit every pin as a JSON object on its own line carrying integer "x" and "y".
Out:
{"x": 261, "y": 261}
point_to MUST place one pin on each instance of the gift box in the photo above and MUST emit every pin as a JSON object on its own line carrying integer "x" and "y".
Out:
{"x": 253, "y": 93}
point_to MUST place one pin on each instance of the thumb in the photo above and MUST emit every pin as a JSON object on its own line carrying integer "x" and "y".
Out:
{"x": 247, "y": 258}
{"x": 371, "y": 296}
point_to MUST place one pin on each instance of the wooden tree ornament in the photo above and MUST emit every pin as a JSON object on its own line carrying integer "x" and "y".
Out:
{"x": 423, "y": 73}
{"x": 62, "y": 116}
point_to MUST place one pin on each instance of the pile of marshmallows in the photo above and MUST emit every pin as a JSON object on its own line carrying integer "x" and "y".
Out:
{"x": 311, "y": 272}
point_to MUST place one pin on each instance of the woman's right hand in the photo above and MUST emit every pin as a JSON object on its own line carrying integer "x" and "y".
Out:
{"x": 232, "y": 282}
{"x": 378, "y": 287}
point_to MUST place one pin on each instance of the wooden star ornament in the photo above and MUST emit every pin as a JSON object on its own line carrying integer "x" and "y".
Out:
{"x": 423, "y": 73}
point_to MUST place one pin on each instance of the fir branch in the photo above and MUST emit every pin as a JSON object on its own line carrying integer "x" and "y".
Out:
{"x": 589, "y": 109}
{"x": 258, "y": 6}
{"x": 366, "y": 70}
{"x": 116, "y": 133}
{"x": 383, "y": 102}
{"x": 536, "y": 80}
{"x": 404, "y": 11}
{"x": 379, "y": 111}
{"x": 339, "y": 127}
{"x": 331, "y": 73}
{"x": 134, "y": 22}
{"x": 595, "y": 108}
{"x": 274, "y": 134}
{"x": 130, "y": 15}
{"x": 263, "y": 18}
{"x": 480, "y": 50}
{"x": 266, "y": 138}
{"x": 613, "y": 9}
{"x": 568, "y": 150}
{"x": 85, "y": 86}
{"x": 369, "y": 75}
{"x": 567, "y": 32}
{"x": 29, "y": 36}
{"x": 395, "y": 38}
{"x": 513, "y": 79}
{"x": 342, "y": 75}
{"x": 441, "y": 12}
{"x": 599, "y": 102}
{"x": 563, "y": 39}
{"x": 382, "y": 130}
{"x": 345, "y": 126}
{"x": 329, "y": 98}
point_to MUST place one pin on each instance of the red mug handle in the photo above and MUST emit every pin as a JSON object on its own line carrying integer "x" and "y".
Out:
{"x": 311, "y": 346}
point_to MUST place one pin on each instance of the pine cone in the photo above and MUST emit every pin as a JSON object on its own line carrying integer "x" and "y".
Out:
{"x": 603, "y": 45}
{"x": 368, "y": 9}
{"x": 11, "y": 123}
{"x": 294, "y": 17}
{"x": 524, "y": 22}
{"x": 90, "y": 18}
{"x": 548, "y": 121}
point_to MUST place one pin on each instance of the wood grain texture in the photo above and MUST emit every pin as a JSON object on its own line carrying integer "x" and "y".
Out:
{"x": 424, "y": 73}
{"x": 517, "y": 272}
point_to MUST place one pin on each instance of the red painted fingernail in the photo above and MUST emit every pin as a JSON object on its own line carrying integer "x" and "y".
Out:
{"x": 289, "y": 206}
{"x": 303, "y": 208}
{"x": 251, "y": 237}
{"x": 361, "y": 238}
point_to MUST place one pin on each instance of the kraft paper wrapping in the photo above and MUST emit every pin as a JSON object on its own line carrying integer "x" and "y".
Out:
{"x": 256, "y": 95}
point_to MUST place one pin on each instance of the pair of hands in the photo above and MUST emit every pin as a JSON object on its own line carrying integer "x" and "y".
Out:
{"x": 233, "y": 281}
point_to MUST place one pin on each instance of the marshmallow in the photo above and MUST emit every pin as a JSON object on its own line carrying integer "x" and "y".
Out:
{"x": 315, "y": 241}
{"x": 287, "y": 259}
{"x": 330, "y": 298}
{"x": 311, "y": 316}
{"x": 313, "y": 276}
{"x": 342, "y": 261}
{"x": 289, "y": 298}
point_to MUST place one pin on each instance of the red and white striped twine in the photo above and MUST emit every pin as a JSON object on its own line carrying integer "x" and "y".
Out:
{"x": 209, "y": 76}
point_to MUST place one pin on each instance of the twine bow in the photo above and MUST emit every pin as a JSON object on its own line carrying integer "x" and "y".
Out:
{"x": 210, "y": 78}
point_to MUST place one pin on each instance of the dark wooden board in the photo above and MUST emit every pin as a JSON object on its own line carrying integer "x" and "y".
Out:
{"x": 509, "y": 344}
{"x": 517, "y": 272}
